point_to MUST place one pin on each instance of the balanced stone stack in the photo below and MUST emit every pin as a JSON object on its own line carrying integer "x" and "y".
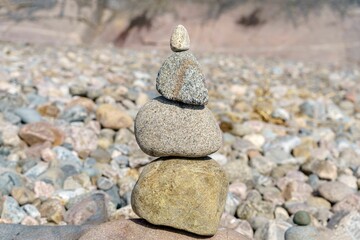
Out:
{"x": 184, "y": 188}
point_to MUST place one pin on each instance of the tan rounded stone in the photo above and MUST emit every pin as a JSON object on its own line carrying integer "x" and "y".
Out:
{"x": 40, "y": 132}
{"x": 87, "y": 103}
{"x": 23, "y": 195}
{"x": 111, "y": 117}
{"x": 167, "y": 128}
{"x": 187, "y": 194}
{"x": 180, "y": 40}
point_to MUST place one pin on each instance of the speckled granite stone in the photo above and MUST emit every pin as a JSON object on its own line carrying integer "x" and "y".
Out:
{"x": 181, "y": 79}
{"x": 180, "y": 40}
{"x": 168, "y": 128}
{"x": 187, "y": 194}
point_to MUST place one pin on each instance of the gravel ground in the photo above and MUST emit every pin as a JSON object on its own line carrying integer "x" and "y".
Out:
{"x": 291, "y": 135}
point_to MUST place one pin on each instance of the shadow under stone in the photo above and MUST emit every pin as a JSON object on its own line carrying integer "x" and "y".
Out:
{"x": 166, "y": 101}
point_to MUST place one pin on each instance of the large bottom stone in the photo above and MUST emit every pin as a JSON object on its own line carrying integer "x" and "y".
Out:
{"x": 168, "y": 128}
{"x": 140, "y": 229}
{"x": 187, "y": 194}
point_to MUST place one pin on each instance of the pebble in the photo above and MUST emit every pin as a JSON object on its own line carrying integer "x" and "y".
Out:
{"x": 86, "y": 103}
{"x": 111, "y": 117}
{"x": 104, "y": 183}
{"x": 279, "y": 156}
{"x": 318, "y": 202}
{"x": 43, "y": 190}
{"x": 282, "y": 135}
{"x": 325, "y": 170}
{"x": 347, "y": 226}
{"x": 9, "y": 180}
{"x": 262, "y": 165}
{"x": 180, "y": 40}
{"x": 89, "y": 210}
{"x": 40, "y": 132}
{"x": 231, "y": 204}
{"x": 255, "y": 208}
{"x": 302, "y": 218}
{"x": 28, "y": 115}
{"x": 196, "y": 181}
{"x": 301, "y": 232}
{"x": 348, "y": 180}
{"x": 82, "y": 140}
{"x": 163, "y": 128}
{"x": 257, "y": 139}
{"x": 31, "y": 210}
{"x": 66, "y": 157}
{"x": 272, "y": 230}
{"x": 29, "y": 221}
{"x": 75, "y": 114}
{"x": 349, "y": 203}
{"x": 48, "y": 110}
{"x": 297, "y": 191}
{"x": 101, "y": 155}
{"x": 238, "y": 171}
{"x": 78, "y": 90}
{"x": 11, "y": 210}
{"x": 335, "y": 191}
{"x": 52, "y": 210}
{"x": 76, "y": 181}
{"x": 230, "y": 222}
{"x": 23, "y": 195}
{"x": 181, "y": 79}
{"x": 9, "y": 135}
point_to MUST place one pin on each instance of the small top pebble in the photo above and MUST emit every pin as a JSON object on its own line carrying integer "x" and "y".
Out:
{"x": 180, "y": 40}
{"x": 302, "y": 218}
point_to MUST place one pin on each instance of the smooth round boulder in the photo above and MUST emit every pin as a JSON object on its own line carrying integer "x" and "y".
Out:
{"x": 111, "y": 117}
{"x": 140, "y": 229}
{"x": 186, "y": 194}
{"x": 167, "y": 128}
{"x": 180, "y": 79}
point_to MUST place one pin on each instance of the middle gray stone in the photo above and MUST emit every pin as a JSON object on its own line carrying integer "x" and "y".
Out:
{"x": 181, "y": 79}
{"x": 168, "y": 128}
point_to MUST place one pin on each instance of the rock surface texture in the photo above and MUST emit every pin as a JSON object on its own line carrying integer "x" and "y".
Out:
{"x": 187, "y": 193}
{"x": 291, "y": 134}
{"x": 181, "y": 79}
{"x": 168, "y": 128}
{"x": 180, "y": 40}
{"x": 140, "y": 229}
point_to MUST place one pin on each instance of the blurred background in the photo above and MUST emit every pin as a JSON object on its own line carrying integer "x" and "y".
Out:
{"x": 283, "y": 81}
{"x": 325, "y": 31}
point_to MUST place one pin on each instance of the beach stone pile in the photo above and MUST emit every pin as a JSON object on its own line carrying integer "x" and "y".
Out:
{"x": 184, "y": 188}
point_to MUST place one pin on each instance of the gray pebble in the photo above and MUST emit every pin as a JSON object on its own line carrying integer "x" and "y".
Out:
{"x": 104, "y": 183}
{"x": 302, "y": 218}
{"x": 28, "y": 115}
{"x": 75, "y": 114}
{"x": 8, "y": 180}
{"x": 12, "y": 211}
{"x": 181, "y": 79}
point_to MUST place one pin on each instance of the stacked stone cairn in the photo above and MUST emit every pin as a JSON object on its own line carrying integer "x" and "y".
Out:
{"x": 184, "y": 188}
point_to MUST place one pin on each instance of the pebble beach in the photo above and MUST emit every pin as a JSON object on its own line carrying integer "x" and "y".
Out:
{"x": 290, "y": 131}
